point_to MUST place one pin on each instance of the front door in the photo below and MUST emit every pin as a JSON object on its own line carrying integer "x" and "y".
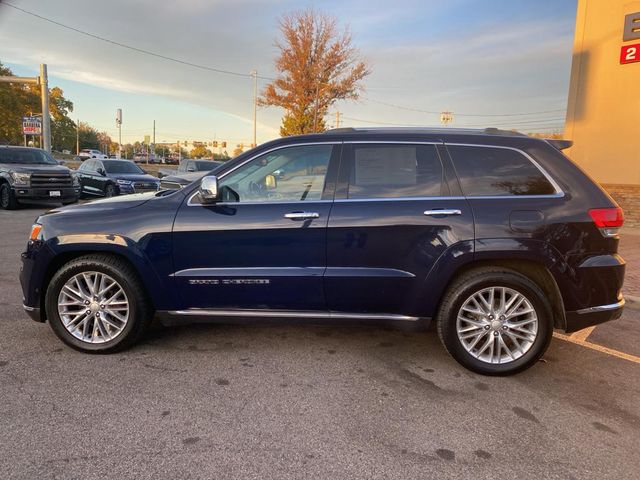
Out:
{"x": 395, "y": 213}
{"x": 263, "y": 246}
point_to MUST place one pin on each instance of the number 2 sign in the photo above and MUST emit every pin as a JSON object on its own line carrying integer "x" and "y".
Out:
{"x": 630, "y": 53}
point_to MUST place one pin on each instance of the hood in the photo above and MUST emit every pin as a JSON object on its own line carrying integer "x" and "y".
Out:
{"x": 134, "y": 177}
{"x": 184, "y": 178}
{"x": 27, "y": 168}
{"x": 119, "y": 202}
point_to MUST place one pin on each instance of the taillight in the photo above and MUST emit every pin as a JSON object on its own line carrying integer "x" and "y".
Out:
{"x": 608, "y": 220}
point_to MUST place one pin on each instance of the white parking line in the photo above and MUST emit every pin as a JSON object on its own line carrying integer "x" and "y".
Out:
{"x": 597, "y": 348}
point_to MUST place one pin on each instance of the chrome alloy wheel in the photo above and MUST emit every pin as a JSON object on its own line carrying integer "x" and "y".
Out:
{"x": 93, "y": 307}
{"x": 497, "y": 325}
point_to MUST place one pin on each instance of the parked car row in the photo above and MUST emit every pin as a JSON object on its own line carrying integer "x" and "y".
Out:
{"x": 187, "y": 172}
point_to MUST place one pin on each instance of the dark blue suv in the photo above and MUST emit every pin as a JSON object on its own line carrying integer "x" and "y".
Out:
{"x": 495, "y": 236}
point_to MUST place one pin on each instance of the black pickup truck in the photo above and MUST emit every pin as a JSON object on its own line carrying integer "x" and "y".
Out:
{"x": 31, "y": 175}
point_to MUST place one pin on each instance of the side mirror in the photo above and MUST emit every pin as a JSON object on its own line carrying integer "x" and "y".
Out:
{"x": 208, "y": 189}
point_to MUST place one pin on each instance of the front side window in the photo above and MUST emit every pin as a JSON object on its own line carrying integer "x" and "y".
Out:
{"x": 491, "y": 171}
{"x": 292, "y": 174}
{"x": 395, "y": 171}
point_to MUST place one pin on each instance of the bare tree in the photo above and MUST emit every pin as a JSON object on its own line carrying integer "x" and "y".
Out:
{"x": 317, "y": 66}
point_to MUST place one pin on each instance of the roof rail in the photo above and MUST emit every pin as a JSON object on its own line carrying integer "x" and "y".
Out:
{"x": 341, "y": 130}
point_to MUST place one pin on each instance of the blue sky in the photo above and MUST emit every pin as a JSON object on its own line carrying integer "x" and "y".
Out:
{"x": 475, "y": 58}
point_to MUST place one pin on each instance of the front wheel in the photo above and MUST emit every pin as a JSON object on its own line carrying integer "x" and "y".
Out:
{"x": 495, "y": 321}
{"x": 7, "y": 198}
{"x": 110, "y": 191}
{"x": 96, "y": 304}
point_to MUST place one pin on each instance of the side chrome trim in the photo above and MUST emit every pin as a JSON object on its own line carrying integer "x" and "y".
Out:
{"x": 602, "y": 308}
{"x": 27, "y": 308}
{"x": 251, "y": 272}
{"x": 289, "y": 314}
{"x": 555, "y": 185}
{"x": 367, "y": 272}
{"x": 280, "y": 147}
{"x": 394, "y": 142}
{"x": 394, "y": 199}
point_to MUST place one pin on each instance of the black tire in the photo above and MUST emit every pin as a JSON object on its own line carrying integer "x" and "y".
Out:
{"x": 474, "y": 281}
{"x": 110, "y": 190}
{"x": 141, "y": 311}
{"x": 7, "y": 198}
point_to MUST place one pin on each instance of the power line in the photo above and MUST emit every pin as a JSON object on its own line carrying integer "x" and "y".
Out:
{"x": 412, "y": 109}
{"x": 135, "y": 49}
{"x": 250, "y": 75}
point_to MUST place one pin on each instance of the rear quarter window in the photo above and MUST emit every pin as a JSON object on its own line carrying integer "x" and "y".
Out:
{"x": 492, "y": 171}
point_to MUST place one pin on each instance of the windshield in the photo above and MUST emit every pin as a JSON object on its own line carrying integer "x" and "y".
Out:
{"x": 122, "y": 167}
{"x": 25, "y": 156}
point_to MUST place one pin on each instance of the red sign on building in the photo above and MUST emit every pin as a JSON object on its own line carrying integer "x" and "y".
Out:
{"x": 630, "y": 53}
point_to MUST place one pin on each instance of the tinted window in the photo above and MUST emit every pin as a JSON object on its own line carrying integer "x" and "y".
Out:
{"x": 288, "y": 174}
{"x": 397, "y": 171}
{"x": 25, "y": 156}
{"x": 485, "y": 171}
{"x": 121, "y": 167}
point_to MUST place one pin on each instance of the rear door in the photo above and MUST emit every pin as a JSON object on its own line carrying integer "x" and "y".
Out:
{"x": 397, "y": 211}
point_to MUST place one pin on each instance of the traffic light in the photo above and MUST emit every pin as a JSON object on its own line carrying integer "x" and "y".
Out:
{"x": 224, "y": 144}
{"x": 215, "y": 144}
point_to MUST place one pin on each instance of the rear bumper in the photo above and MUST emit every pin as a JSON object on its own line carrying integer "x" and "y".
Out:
{"x": 587, "y": 317}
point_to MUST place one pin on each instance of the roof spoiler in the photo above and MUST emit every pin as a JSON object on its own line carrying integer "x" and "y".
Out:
{"x": 560, "y": 144}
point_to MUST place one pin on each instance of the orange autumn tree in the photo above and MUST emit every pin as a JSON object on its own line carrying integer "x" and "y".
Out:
{"x": 317, "y": 66}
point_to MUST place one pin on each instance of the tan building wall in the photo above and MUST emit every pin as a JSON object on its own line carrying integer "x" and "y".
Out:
{"x": 603, "y": 113}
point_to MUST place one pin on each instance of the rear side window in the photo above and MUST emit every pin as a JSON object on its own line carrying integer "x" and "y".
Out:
{"x": 488, "y": 171}
{"x": 395, "y": 171}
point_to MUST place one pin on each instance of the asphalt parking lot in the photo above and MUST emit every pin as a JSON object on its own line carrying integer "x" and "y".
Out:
{"x": 306, "y": 402}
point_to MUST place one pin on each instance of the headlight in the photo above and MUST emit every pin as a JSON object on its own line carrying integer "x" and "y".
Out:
{"x": 21, "y": 178}
{"x": 123, "y": 182}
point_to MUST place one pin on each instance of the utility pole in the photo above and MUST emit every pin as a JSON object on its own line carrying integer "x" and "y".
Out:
{"x": 153, "y": 148}
{"x": 78, "y": 137}
{"x": 46, "y": 121}
{"x": 119, "y": 126}
{"x": 337, "y": 119}
{"x": 254, "y": 74}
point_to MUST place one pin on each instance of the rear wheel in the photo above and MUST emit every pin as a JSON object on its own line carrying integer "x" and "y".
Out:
{"x": 495, "y": 321}
{"x": 7, "y": 198}
{"x": 96, "y": 304}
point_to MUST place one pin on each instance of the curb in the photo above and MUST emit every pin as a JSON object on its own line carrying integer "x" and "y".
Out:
{"x": 632, "y": 302}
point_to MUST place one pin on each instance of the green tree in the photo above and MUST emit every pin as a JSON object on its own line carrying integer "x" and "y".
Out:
{"x": 88, "y": 137}
{"x": 18, "y": 100}
{"x": 201, "y": 151}
{"x": 317, "y": 66}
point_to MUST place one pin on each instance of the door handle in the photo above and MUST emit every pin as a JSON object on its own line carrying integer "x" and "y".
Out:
{"x": 443, "y": 211}
{"x": 301, "y": 215}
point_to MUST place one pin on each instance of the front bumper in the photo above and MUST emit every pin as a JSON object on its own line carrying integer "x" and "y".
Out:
{"x": 28, "y": 194}
{"x": 588, "y": 317}
{"x": 33, "y": 312}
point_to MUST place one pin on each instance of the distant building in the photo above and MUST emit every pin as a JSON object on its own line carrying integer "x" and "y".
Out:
{"x": 603, "y": 113}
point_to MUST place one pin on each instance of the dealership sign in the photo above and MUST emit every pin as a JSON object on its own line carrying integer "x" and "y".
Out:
{"x": 31, "y": 126}
{"x": 631, "y": 53}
